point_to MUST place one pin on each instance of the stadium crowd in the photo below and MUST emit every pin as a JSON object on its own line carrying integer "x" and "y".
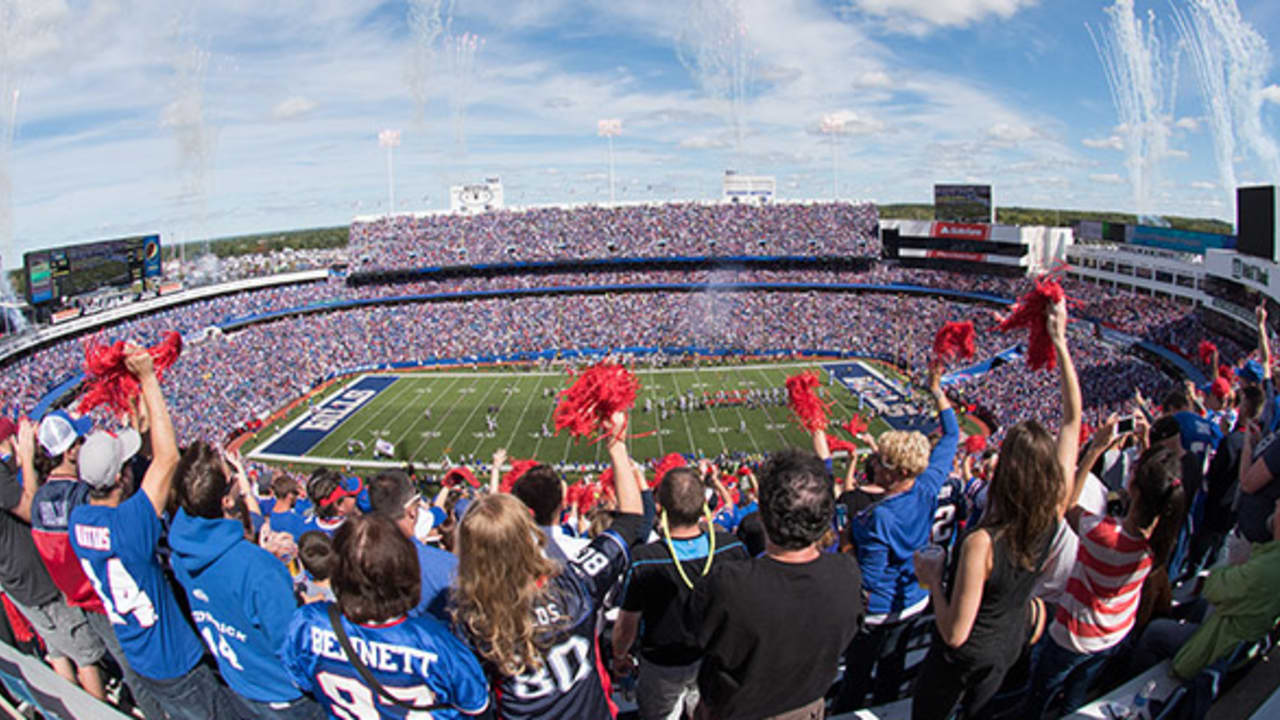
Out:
{"x": 1038, "y": 570}
{"x": 651, "y": 230}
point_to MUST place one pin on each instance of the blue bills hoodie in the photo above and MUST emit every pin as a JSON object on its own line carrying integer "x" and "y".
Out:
{"x": 887, "y": 534}
{"x": 241, "y": 599}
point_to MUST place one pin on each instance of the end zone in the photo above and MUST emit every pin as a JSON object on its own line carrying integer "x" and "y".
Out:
{"x": 308, "y": 430}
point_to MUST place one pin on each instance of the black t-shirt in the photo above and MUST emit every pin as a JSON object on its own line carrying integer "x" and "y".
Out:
{"x": 22, "y": 572}
{"x": 659, "y": 594}
{"x": 773, "y": 633}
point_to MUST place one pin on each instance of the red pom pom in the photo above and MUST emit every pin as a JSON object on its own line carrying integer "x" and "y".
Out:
{"x": 599, "y": 391}
{"x": 1029, "y": 312}
{"x": 109, "y": 382}
{"x": 517, "y": 471}
{"x": 975, "y": 444}
{"x": 1086, "y": 431}
{"x": 459, "y": 475}
{"x": 855, "y": 426}
{"x": 811, "y": 411}
{"x": 1221, "y": 388}
{"x": 1207, "y": 350}
{"x": 835, "y": 444}
{"x": 1228, "y": 372}
{"x": 606, "y": 478}
{"x": 954, "y": 341}
{"x": 668, "y": 463}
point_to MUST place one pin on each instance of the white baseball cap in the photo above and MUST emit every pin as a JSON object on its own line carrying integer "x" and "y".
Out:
{"x": 104, "y": 454}
{"x": 59, "y": 431}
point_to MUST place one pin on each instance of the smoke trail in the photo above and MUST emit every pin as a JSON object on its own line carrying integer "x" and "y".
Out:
{"x": 1142, "y": 77}
{"x": 715, "y": 48}
{"x": 1231, "y": 61}
{"x": 193, "y": 139}
{"x": 429, "y": 21}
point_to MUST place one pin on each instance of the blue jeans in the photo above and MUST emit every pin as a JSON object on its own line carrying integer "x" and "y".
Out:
{"x": 1055, "y": 668}
{"x": 304, "y": 708}
{"x": 195, "y": 696}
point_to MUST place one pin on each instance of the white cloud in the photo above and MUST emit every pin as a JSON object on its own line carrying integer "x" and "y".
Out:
{"x": 1271, "y": 93}
{"x": 293, "y": 107}
{"x": 1177, "y": 154}
{"x": 1204, "y": 185}
{"x": 873, "y": 79}
{"x": 855, "y": 123}
{"x": 1112, "y": 143}
{"x": 1011, "y": 132}
{"x": 918, "y": 17}
{"x": 1108, "y": 179}
{"x": 703, "y": 142}
{"x": 1190, "y": 124}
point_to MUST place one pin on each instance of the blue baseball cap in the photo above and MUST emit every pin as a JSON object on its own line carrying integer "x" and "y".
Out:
{"x": 1251, "y": 372}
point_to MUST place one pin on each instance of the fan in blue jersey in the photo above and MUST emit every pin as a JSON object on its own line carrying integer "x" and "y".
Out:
{"x": 399, "y": 666}
{"x": 394, "y": 497}
{"x": 533, "y": 620}
{"x": 116, "y": 539}
{"x": 240, "y": 595}
{"x": 885, "y": 537}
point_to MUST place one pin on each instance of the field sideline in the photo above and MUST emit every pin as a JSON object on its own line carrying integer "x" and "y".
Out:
{"x": 460, "y": 401}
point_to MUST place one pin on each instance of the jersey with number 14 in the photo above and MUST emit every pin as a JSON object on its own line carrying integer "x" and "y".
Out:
{"x": 117, "y": 550}
{"x": 568, "y": 682}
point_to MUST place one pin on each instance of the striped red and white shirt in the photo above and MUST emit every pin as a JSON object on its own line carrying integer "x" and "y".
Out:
{"x": 1100, "y": 603}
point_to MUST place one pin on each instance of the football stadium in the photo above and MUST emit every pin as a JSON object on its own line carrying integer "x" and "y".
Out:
{"x": 353, "y": 387}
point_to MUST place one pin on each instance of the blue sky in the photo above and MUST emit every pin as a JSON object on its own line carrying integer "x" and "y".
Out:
{"x": 217, "y": 118}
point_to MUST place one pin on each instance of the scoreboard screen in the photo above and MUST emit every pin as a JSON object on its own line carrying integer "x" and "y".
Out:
{"x": 66, "y": 272}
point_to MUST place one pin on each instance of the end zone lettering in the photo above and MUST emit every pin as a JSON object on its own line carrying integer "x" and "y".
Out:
{"x": 336, "y": 410}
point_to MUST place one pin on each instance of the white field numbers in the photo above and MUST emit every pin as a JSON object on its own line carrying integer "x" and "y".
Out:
{"x": 126, "y": 598}
{"x": 351, "y": 700}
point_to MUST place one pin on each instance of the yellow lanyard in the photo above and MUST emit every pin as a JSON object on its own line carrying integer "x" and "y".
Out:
{"x": 671, "y": 546}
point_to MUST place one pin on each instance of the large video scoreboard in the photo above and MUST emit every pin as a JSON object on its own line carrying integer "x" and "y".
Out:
{"x": 66, "y": 272}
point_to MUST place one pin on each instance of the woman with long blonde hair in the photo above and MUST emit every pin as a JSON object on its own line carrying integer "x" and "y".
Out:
{"x": 531, "y": 620}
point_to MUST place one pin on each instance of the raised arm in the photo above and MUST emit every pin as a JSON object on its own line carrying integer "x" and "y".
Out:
{"x": 1101, "y": 441}
{"x": 625, "y": 485}
{"x": 241, "y": 479}
{"x": 1264, "y": 342}
{"x": 27, "y": 463}
{"x": 820, "y": 446}
{"x": 164, "y": 444}
{"x": 1072, "y": 403}
{"x": 495, "y": 472}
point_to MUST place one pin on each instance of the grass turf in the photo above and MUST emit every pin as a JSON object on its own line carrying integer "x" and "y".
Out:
{"x": 459, "y": 402}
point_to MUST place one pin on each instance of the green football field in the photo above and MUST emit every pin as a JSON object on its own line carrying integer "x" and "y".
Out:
{"x": 438, "y": 416}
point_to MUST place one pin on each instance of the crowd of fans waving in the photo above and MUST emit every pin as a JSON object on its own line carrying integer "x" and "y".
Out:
{"x": 785, "y": 587}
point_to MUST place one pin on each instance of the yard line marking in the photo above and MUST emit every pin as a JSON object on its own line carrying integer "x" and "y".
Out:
{"x": 719, "y": 433}
{"x": 768, "y": 408}
{"x": 693, "y": 446}
{"x": 743, "y": 419}
{"x": 439, "y": 424}
{"x": 515, "y": 431}
{"x": 463, "y": 425}
{"x": 501, "y": 405}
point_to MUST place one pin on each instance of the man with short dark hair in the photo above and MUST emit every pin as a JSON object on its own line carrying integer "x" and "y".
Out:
{"x": 542, "y": 490}
{"x": 116, "y": 539}
{"x": 285, "y": 516}
{"x": 772, "y": 629}
{"x": 240, "y": 595}
{"x": 393, "y": 496}
{"x": 663, "y": 574}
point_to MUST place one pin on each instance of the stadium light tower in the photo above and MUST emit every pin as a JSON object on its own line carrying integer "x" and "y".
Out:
{"x": 610, "y": 128}
{"x": 390, "y": 139}
{"x": 833, "y": 124}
